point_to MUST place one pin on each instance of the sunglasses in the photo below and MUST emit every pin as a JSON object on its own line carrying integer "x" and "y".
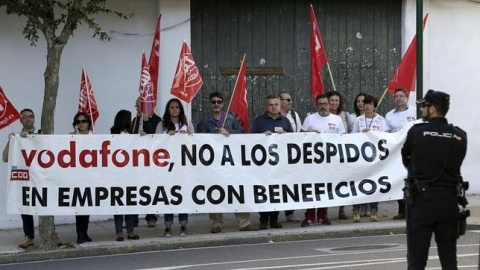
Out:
{"x": 426, "y": 105}
{"x": 83, "y": 121}
{"x": 216, "y": 102}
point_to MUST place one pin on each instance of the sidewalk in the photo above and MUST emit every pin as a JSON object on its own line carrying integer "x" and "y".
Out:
{"x": 103, "y": 234}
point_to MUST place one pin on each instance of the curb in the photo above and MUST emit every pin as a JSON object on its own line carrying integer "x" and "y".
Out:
{"x": 196, "y": 241}
{"x": 200, "y": 240}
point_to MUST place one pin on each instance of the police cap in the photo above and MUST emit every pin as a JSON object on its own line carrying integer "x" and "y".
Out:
{"x": 438, "y": 98}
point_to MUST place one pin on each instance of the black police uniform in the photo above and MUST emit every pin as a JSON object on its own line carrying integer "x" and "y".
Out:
{"x": 433, "y": 153}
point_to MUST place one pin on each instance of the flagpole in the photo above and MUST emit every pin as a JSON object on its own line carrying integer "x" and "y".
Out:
{"x": 331, "y": 77}
{"x": 234, "y": 87}
{"x": 87, "y": 82}
{"x": 383, "y": 96}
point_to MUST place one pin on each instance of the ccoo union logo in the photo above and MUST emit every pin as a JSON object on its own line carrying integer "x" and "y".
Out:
{"x": 19, "y": 174}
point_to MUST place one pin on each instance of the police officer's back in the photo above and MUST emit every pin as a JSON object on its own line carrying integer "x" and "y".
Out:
{"x": 433, "y": 153}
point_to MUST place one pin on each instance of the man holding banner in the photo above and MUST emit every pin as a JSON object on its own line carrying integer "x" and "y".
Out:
{"x": 321, "y": 122}
{"x": 28, "y": 121}
{"x": 271, "y": 122}
{"x": 214, "y": 123}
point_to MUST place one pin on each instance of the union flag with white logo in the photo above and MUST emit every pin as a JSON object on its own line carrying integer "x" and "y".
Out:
{"x": 87, "y": 103}
{"x": 187, "y": 80}
{"x": 146, "y": 89}
{"x": 318, "y": 57}
{"x": 8, "y": 113}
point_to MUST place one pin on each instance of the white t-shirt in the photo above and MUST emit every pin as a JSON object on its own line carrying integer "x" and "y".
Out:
{"x": 396, "y": 119}
{"x": 178, "y": 129}
{"x": 323, "y": 124}
{"x": 295, "y": 127}
{"x": 376, "y": 124}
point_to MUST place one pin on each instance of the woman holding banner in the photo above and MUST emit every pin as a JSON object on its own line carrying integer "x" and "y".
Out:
{"x": 369, "y": 121}
{"x": 122, "y": 125}
{"x": 174, "y": 122}
{"x": 81, "y": 125}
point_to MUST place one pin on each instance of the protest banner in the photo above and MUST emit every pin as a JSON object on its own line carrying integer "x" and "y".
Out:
{"x": 201, "y": 173}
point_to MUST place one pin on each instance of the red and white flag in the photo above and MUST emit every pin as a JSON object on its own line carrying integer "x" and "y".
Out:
{"x": 404, "y": 76}
{"x": 154, "y": 61}
{"x": 87, "y": 103}
{"x": 187, "y": 80}
{"x": 146, "y": 89}
{"x": 318, "y": 57}
{"x": 8, "y": 113}
{"x": 238, "y": 102}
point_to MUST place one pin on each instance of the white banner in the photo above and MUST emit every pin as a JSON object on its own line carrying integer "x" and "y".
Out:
{"x": 201, "y": 173}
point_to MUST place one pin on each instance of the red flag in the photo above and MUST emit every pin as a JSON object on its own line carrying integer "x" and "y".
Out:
{"x": 238, "y": 102}
{"x": 8, "y": 113}
{"x": 318, "y": 57}
{"x": 154, "y": 61}
{"x": 87, "y": 103}
{"x": 187, "y": 80}
{"x": 146, "y": 89}
{"x": 404, "y": 76}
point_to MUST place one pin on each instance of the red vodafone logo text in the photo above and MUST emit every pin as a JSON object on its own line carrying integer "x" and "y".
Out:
{"x": 91, "y": 158}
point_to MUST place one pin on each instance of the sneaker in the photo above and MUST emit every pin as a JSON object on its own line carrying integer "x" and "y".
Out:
{"x": 249, "y": 228}
{"x": 168, "y": 232}
{"x": 307, "y": 223}
{"x": 356, "y": 217}
{"x": 183, "y": 231}
{"x": 133, "y": 237}
{"x": 342, "y": 215}
{"x": 216, "y": 229}
{"x": 26, "y": 243}
{"x": 151, "y": 223}
{"x": 325, "y": 222}
{"x": 374, "y": 217}
{"x": 399, "y": 216}
{"x": 263, "y": 226}
{"x": 292, "y": 218}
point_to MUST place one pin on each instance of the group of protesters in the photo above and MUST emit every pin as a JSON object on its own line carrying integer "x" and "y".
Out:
{"x": 279, "y": 117}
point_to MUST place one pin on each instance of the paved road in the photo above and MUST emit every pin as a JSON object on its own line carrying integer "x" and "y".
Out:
{"x": 362, "y": 253}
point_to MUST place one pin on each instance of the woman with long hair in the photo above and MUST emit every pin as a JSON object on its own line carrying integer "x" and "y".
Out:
{"x": 335, "y": 100}
{"x": 358, "y": 105}
{"x": 122, "y": 125}
{"x": 81, "y": 125}
{"x": 174, "y": 121}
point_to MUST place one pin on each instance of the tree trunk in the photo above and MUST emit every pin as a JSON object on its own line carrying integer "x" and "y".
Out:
{"x": 46, "y": 226}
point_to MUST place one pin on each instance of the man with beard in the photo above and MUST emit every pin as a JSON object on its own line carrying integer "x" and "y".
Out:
{"x": 219, "y": 122}
{"x": 433, "y": 154}
{"x": 321, "y": 122}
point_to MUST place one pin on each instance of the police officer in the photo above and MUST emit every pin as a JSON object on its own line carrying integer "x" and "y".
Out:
{"x": 433, "y": 154}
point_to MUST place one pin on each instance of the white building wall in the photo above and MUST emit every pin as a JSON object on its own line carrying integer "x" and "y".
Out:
{"x": 451, "y": 57}
{"x": 113, "y": 67}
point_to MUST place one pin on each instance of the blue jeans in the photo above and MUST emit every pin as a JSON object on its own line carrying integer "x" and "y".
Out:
{"x": 182, "y": 219}
{"x": 129, "y": 220}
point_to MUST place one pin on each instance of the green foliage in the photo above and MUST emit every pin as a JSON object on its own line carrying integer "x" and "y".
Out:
{"x": 48, "y": 16}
